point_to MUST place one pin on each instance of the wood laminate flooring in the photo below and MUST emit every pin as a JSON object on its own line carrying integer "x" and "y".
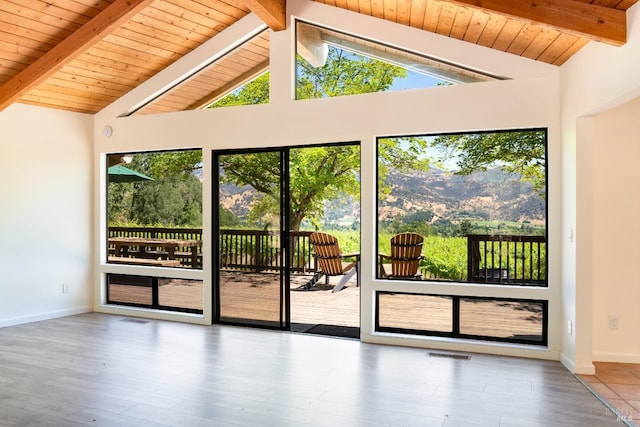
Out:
{"x": 106, "y": 370}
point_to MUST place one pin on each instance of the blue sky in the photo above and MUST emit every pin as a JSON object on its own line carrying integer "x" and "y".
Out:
{"x": 414, "y": 80}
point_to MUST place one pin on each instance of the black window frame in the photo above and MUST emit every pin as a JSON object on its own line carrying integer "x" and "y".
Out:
{"x": 155, "y": 294}
{"x": 455, "y": 313}
{"x": 538, "y": 283}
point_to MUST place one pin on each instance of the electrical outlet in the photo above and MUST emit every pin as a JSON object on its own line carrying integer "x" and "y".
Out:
{"x": 613, "y": 322}
{"x": 65, "y": 288}
{"x": 570, "y": 327}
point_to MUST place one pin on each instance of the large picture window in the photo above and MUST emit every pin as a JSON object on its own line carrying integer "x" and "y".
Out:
{"x": 154, "y": 208}
{"x": 467, "y": 207}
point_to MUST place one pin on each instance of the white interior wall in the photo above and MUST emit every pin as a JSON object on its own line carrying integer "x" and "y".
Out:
{"x": 45, "y": 220}
{"x": 530, "y": 100}
{"x": 616, "y": 233}
{"x": 599, "y": 77}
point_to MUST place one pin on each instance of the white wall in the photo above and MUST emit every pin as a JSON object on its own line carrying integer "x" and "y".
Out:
{"x": 596, "y": 79}
{"x": 529, "y": 100}
{"x": 616, "y": 233}
{"x": 45, "y": 220}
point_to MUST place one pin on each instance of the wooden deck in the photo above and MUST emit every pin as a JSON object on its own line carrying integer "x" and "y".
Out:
{"x": 256, "y": 296}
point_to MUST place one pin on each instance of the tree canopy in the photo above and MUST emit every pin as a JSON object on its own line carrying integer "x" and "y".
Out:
{"x": 317, "y": 174}
{"x": 254, "y": 92}
{"x": 345, "y": 73}
{"x": 173, "y": 198}
{"x": 520, "y": 152}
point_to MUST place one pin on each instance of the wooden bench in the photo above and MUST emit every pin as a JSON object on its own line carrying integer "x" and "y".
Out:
{"x": 194, "y": 259}
{"x": 143, "y": 261}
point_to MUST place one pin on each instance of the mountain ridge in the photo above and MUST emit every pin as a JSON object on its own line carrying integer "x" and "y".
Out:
{"x": 491, "y": 195}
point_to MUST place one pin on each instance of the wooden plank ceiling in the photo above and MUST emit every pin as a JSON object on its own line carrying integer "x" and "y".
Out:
{"x": 81, "y": 55}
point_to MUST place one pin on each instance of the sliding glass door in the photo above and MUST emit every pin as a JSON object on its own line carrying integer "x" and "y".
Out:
{"x": 250, "y": 262}
{"x": 269, "y": 202}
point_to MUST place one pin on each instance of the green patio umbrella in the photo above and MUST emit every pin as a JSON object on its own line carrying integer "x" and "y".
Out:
{"x": 119, "y": 173}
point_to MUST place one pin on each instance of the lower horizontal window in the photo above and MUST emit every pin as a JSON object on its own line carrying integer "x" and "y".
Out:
{"x": 495, "y": 319}
{"x": 184, "y": 295}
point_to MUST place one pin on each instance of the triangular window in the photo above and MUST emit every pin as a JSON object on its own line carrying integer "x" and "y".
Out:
{"x": 215, "y": 80}
{"x": 253, "y": 92}
{"x": 330, "y": 63}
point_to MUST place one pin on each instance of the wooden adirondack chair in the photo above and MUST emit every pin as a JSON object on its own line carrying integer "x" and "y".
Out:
{"x": 406, "y": 253}
{"x": 330, "y": 260}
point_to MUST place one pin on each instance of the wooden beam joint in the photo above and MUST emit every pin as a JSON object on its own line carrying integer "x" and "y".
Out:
{"x": 271, "y": 12}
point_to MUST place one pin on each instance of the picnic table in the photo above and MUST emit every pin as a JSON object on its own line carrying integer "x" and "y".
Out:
{"x": 145, "y": 248}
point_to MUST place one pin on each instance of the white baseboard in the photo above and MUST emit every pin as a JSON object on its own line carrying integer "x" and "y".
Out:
{"x": 604, "y": 356}
{"x": 567, "y": 363}
{"x": 583, "y": 369}
{"x": 44, "y": 316}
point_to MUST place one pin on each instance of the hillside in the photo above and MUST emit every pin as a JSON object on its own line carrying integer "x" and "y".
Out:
{"x": 482, "y": 196}
{"x": 487, "y": 196}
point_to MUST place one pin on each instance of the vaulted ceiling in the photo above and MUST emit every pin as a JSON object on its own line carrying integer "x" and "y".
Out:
{"x": 81, "y": 55}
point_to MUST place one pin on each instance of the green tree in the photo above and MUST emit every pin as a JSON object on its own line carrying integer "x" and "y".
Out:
{"x": 119, "y": 197}
{"x": 173, "y": 198}
{"x": 345, "y": 73}
{"x": 519, "y": 152}
{"x": 178, "y": 164}
{"x": 465, "y": 227}
{"x": 316, "y": 174}
{"x": 254, "y": 92}
{"x": 404, "y": 154}
{"x": 324, "y": 173}
{"x": 227, "y": 218}
{"x": 169, "y": 202}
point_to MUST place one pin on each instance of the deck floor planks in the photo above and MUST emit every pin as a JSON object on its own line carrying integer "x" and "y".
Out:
{"x": 256, "y": 297}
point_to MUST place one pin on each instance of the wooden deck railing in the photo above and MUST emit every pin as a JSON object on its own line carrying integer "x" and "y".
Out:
{"x": 259, "y": 250}
{"x": 246, "y": 250}
{"x": 503, "y": 259}
{"x": 507, "y": 259}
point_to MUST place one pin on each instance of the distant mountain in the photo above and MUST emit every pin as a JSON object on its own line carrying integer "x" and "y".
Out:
{"x": 492, "y": 195}
{"x": 483, "y": 196}
{"x": 237, "y": 199}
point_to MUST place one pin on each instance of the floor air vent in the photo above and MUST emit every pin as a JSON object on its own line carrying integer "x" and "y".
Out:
{"x": 449, "y": 356}
{"x": 130, "y": 320}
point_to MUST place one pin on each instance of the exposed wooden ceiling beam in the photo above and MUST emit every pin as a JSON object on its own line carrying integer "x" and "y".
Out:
{"x": 230, "y": 87}
{"x": 599, "y": 23}
{"x": 310, "y": 46}
{"x": 70, "y": 48}
{"x": 271, "y": 12}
